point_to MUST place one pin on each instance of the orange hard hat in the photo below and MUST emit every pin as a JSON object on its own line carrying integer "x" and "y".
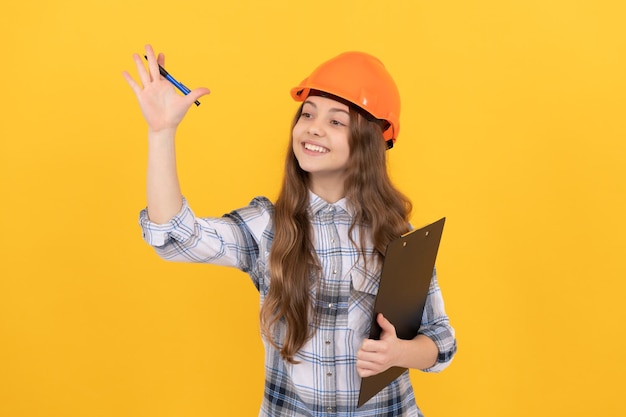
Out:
{"x": 362, "y": 80}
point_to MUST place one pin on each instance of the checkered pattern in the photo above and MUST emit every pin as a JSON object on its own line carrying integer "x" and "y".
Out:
{"x": 325, "y": 382}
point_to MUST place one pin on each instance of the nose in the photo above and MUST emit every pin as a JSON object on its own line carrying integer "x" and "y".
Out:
{"x": 315, "y": 127}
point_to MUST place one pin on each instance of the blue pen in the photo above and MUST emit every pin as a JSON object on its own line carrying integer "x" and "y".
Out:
{"x": 171, "y": 79}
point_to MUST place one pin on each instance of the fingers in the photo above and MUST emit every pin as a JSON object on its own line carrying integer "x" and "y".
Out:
{"x": 366, "y": 367}
{"x": 365, "y": 372}
{"x": 133, "y": 84}
{"x": 373, "y": 356}
{"x": 370, "y": 363}
{"x": 144, "y": 77}
{"x": 371, "y": 348}
{"x": 153, "y": 65}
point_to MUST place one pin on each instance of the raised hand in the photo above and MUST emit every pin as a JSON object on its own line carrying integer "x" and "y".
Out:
{"x": 161, "y": 105}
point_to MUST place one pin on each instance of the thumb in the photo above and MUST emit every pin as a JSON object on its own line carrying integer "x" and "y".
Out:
{"x": 198, "y": 92}
{"x": 385, "y": 325}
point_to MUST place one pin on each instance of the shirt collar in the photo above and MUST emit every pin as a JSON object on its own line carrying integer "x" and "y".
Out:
{"x": 317, "y": 204}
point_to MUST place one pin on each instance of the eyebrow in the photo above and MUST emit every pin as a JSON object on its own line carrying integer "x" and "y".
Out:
{"x": 333, "y": 109}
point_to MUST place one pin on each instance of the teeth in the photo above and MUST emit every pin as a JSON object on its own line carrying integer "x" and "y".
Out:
{"x": 315, "y": 148}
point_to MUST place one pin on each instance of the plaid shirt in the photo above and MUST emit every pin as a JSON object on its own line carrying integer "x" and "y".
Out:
{"x": 325, "y": 383}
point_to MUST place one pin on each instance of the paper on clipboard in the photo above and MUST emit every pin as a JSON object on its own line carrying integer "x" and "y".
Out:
{"x": 404, "y": 283}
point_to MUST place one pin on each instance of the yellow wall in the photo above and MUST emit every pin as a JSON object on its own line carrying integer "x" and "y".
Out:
{"x": 512, "y": 127}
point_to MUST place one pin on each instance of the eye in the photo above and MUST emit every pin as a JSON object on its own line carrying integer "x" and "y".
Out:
{"x": 335, "y": 122}
{"x": 305, "y": 115}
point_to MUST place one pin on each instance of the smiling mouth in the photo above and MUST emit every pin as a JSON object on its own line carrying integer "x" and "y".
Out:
{"x": 315, "y": 148}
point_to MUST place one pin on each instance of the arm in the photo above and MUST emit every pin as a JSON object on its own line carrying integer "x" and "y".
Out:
{"x": 163, "y": 109}
{"x": 164, "y": 198}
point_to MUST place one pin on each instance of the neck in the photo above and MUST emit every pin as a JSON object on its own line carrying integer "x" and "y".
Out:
{"x": 329, "y": 189}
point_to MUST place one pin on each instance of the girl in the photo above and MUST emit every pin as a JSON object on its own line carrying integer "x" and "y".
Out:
{"x": 315, "y": 255}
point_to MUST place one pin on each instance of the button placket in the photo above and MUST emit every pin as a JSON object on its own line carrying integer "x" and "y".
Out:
{"x": 331, "y": 288}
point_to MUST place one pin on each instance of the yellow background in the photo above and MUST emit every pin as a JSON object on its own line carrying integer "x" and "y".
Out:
{"x": 513, "y": 127}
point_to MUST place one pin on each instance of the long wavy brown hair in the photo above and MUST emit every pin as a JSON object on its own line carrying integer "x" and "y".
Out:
{"x": 381, "y": 213}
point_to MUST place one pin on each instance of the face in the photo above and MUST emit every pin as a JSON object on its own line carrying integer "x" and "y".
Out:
{"x": 320, "y": 139}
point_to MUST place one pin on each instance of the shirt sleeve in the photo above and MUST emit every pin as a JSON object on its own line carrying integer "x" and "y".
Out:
{"x": 230, "y": 240}
{"x": 436, "y": 325}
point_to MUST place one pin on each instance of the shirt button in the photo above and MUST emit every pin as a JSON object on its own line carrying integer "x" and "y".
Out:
{"x": 334, "y": 271}
{"x": 328, "y": 342}
{"x": 329, "y": 409}
{"x": 332, "y": 240}
{"x": 329, "y": 374}
{"x": 330, "y": 305}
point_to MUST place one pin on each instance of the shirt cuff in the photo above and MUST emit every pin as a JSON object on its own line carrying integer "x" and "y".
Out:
{"x": 446, "y": 344}
{"x": 179, "y": 228}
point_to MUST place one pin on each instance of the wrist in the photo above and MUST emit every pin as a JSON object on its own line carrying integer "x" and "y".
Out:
{"x": 417, "y": 353}
{"x": 162, "y": 129}
{"x": 162, "y": 135}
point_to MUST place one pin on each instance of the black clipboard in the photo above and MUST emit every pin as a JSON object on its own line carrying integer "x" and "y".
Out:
{"x": 404, "y": 283}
